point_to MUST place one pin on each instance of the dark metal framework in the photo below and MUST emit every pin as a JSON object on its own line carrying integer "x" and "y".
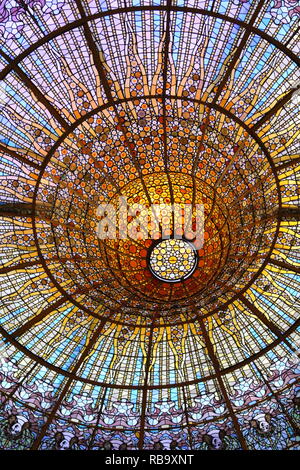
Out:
{"x": 14, "y": 66}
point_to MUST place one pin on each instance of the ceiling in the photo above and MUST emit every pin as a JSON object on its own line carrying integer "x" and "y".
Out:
{"x": 160, "y": 102}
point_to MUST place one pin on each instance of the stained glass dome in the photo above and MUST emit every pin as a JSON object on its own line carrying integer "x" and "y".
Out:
{"x": 149, "y": 342}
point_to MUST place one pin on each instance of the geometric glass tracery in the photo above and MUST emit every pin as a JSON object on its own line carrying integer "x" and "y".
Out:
{"x": 159, "y": 102}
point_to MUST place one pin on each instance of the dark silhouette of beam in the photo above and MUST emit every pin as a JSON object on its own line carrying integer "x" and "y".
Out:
{"x": 289, "y": 213}
{"x": 238, "y": 52}
{"x": 18, "y": 157}
{"x": 145, "y": 390}
{"x": 38, "y": 318}
{"x": 107, "y": 89}
{"x": 66, "y": 387}
{"x": 17, "y": 267}
{"x": 223, "y": 390}
{"x": 36, "y": 91}
{"x": 275, "y": 396}
{"x": 164, "y": 99}
{"x": 279, "y": 104}
{"x": 268, "y": 323}
{"x": 285, "y": 265}
{"x": 288, "y": 163}
{"x": 15, "y": 209}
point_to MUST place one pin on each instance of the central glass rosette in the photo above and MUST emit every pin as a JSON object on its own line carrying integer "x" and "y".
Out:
{"x": 173, "y": 260}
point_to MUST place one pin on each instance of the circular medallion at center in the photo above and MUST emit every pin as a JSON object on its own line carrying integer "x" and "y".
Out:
{"x": 173, "y": 260}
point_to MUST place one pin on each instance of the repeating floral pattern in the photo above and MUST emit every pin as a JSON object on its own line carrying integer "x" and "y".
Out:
{"x": 260, "y": 416}
{"x": 53, "y": 89}
{"x": 13, "y": 16}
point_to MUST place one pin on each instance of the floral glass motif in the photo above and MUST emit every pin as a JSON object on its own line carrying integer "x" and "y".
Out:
{"x": 160, "y": 102}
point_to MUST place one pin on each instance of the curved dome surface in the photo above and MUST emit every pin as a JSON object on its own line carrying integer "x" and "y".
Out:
{"x": 131, "y": 342}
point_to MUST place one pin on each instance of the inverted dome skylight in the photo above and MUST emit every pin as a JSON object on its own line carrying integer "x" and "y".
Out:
{"x": 156, "y": 104}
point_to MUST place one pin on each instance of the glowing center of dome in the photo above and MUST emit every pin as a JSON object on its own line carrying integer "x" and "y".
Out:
{"x": 173, "y": 260}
